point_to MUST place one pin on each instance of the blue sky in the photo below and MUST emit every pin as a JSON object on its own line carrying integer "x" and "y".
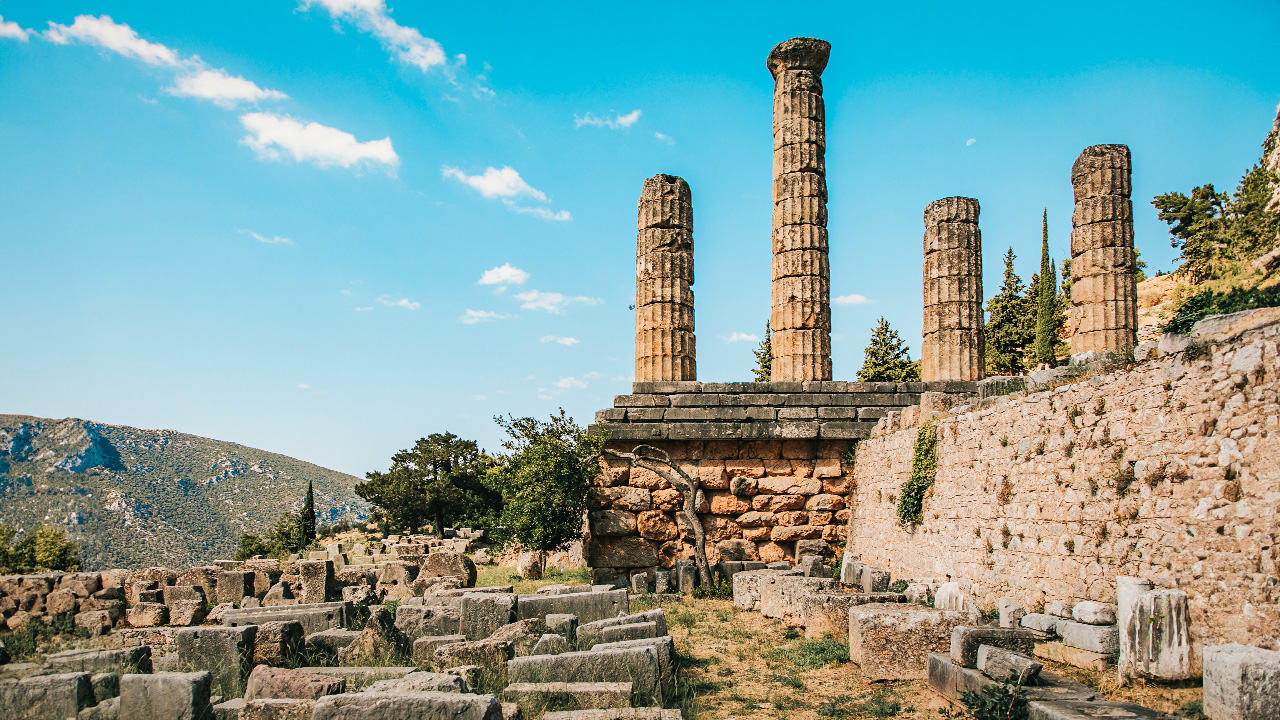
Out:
{"x": 328, "y": 228}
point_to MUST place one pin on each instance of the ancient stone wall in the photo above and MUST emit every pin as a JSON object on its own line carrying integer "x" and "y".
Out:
{"x": 1169, "y": 470}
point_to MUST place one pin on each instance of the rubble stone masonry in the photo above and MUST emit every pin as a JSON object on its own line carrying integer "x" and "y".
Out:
{"x": 1168, "y": 470}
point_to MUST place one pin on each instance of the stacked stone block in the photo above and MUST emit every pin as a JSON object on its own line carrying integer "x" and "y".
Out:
{"x": 952, "y": 347}
{"x": 801, "y": 313}
{"x": 664, "y": 272}
{"x": 1104, "y": 293}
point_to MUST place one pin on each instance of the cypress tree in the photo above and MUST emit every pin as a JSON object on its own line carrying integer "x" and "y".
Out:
{"x": 764, "y": 356}
{"x": 1046, "y": 300}
{"x": 886, "y": 357}
{"x": 307, "y": 518}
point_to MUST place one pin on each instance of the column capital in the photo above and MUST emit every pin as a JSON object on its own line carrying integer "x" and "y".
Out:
{"x": 802, "y": 53}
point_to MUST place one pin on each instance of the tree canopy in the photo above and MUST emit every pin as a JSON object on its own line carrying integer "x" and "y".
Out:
{"x": 48, "y": 548}
{"x": 764, "y": 356}
{"x": 1011, "y": 323}
{"x": 886, "y": 357}
{"x": 1215, "y": 229}
{"x": 1049, "y": 315}
{"x": 439, "y": 481}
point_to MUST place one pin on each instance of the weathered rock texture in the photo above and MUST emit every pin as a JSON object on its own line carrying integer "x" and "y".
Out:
{"x": 1104, "y": 292}
{"x": 801, "y": 316}
{"x": 952, "y": 348}
{"x": 1165, "y": 471}
{"x": 664, "y": 272}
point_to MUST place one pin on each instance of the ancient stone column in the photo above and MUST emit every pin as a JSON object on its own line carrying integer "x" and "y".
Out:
{"x": 952, "y": 347}
{"x": 664, "y": 272}
{"x": 801, "y": 313}
{"x": 1104, "y": 293}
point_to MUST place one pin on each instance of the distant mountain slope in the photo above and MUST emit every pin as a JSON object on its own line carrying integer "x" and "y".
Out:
{"x": 135, "y": 498}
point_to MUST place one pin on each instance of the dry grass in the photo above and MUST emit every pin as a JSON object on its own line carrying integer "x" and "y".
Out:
{"x": 1161, "y": 697}
{"x": 494, "y": 575}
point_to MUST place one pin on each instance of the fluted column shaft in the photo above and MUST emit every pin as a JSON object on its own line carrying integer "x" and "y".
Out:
{"x": 952, "y": 347}
{"x": 664, "y": 272}
{"x": 801, "y": 310}
{"x": 1104, "y": 291}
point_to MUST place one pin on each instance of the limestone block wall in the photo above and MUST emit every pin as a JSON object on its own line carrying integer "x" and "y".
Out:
{"x": 1168, "y": 470}
{"x": 761, "y": 500}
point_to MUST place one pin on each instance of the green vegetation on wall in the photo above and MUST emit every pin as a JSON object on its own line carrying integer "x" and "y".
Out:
{"x": 924, "y": 468}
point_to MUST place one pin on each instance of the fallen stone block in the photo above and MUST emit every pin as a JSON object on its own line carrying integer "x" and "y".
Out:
{"x": 1075, "y": 657}
{"x": 1160, "y": 642}
{"x": 439, "y": 618}
{"x": 1103, "y": 639}
{"x": 782, "y": 596}
{"x": 586, "y": 606}
{"x": 279, "y": 643}
{"x": 424, "y": 648}
{"x": 1006, "y": 666}
{"x": 893, "y": 641}
{"x": 593, "y": 632}
{"x": 825, "y": 613}
{"x": 325, "y": 645}
{"x": 361, "y": 677}
{"x": 165, "y": 696}
{"x": 276, "y": 709}
{"x": 450, "y": 564}
{"x": 379, "y": 641}
{"x": 666, "y": 647}
{"x": 317, "y": 581}
{"x": 1128, "y": 590}
{"x": 313, "y": 618}
{"x": 421, "y": 682}
{"x": 487, "y": 654}
{"x": 951, "y": 680}
{"x": 1011, "y": 612}
{"x": 1241, "y": 682}
{"x": 148, "y": 614}
{"x": 483, "y": 613}
{"x": 965, "y": 641}
{"x": 874, "y": 580}
{"x": 105, "y": 686}
{"x": 644, "y": 713}
{"x": 563, "y": 625}
{"x": 630, "y": 631}
{"x": 108, "y": 709}
{"x": 94, "y": 622}
{"x": 225, "y": 652}
{"x": 638, "y": 665}
{"x": 550, "y": 644}
{"x": 229, "y": 710}
{"x": 407, "y": 706}
{"x": 1091, "y": 612}
{"x": 573, "y": 695}
{"x": 1041, "y": 622}
{"x": 268, "y": 682}
{"x": 234, "y": 585}
{"x": 46, "y": 697}
{"x": 746, "y": 586}
{"x": 122, "y": 660}
{"x": 1089, "y": 710}
{"x": 522, "y": 635}
{"x": 185, "y": 613}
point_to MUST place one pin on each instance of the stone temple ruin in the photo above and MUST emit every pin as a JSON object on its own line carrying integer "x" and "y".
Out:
{"x": 1119, "y": 513}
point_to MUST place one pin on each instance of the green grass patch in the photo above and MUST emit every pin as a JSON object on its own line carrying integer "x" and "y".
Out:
{"x": 811, "y": 653}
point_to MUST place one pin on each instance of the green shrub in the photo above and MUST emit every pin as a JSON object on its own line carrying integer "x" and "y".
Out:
{"x": 996, "y": 702}
{"x": 898, "y": 586}
{"x": 924, "y": 468}
{"x": 1207, "y": 303}
{"x": 718, "y": 590}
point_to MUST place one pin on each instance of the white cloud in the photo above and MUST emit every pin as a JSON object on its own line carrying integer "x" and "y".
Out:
{"x": 540, "y": 213}
{"x": 565, "y": 383}
{"x": 566, "y": 341}
{"x": 551, "y": 302}
{"x": 117, "y": 37}
{"x": 505, "y": 183}
{"x": 344, "y": 292}
{"x": 303, "y": 386}
{"x": 222, "y": 88}
{"x": 741, "y": 337}
{"x": 273, "y": 136}
{"x": 364, "y": 309}
{"x": 276, "y": 240}
{"x": 471, "y": 317}
{"x": 13, "y": 31}
{"x": 665, "y": 138}
{"x": 851, "y": 299}
{"x": 504, "y": 274}
{"x": 405, "y": 303}
{"x": 613, "y": 123}
{"x": 403, "y": 42}
{"x": 969, "y": 142}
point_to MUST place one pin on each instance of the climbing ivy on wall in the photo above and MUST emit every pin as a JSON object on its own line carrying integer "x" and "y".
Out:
{"x": 924, "y": 468}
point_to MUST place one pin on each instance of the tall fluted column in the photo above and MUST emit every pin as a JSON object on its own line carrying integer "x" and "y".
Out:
{"x": 801, "y": 314}
{"x": 952, "y": 347}
{"x": 1104, "y": 291}
{"x": 664, "y": 272}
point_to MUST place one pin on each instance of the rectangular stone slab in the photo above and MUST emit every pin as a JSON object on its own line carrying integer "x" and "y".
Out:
{"x": 583, "y": 695}
{"x": 314, "y": 618}
{"x": 587, "y": 606}
{"x": 638, "y": 665}
{"x": 407, "y": 706}
{"x": 893, "y": 641}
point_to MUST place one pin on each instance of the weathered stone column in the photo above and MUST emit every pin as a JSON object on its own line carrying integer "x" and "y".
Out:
{"x": 664, "y": 272}
{"x": 801, "y": 314}
{"x": 952, "y": 347}
{"x": 1104, "y": 293}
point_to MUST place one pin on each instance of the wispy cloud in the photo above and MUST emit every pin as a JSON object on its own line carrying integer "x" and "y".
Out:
{"x": 665, "y": 138}
{"x": 740, "y": 337}
{"x": 566, "y": 341}
{"x": 505, "y": 183}
{"x": 851, "y": 299}
{"x": 367, "y": 308}
{"x": 110, "y": 35}
{"x": 540, "y": 213}
{"x": 275, "y": 240}
{"x": 503, "y": 275}
{"x": 552, "y": 302}
{"x": 273, "y": 137}
{"x": 613, "y": 123}
{"x": 565, "y": 383}
{"x": 471, "y": 317}
{"x": 372, "y": 16}
{"x": 221, "y": 88}
{"x": 13, "y": 31}
{"x": 405, "y": 303}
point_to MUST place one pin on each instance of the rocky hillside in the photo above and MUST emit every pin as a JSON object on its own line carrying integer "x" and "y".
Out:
{"x": 135, "y": 498}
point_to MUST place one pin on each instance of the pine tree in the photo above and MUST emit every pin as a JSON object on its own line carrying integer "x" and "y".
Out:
{"x": 307, "y": 518}
{"x": 764, "y": 356}
{"x": 886, "y": 357}
{"x": 1046, "y": 288}
{"x": 1010, "y": 323}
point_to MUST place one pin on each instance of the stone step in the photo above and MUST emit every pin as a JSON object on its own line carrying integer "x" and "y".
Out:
{"x": 616, "y": 714}
{"x": 576, "y": 695}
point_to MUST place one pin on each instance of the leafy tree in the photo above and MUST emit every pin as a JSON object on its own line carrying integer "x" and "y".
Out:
{"x": 437, "y": 481}
{"x": 886, "y": 357}
{"x": 1011, "y": 320}
{"x": 307, "y": 520}
{"x": 764, "y": 356}
{"x": 48, "y": 548}
{"x": 544, "y": 477}
{"x": 1049, "y": 319}
{"x": 251, "y": 545}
